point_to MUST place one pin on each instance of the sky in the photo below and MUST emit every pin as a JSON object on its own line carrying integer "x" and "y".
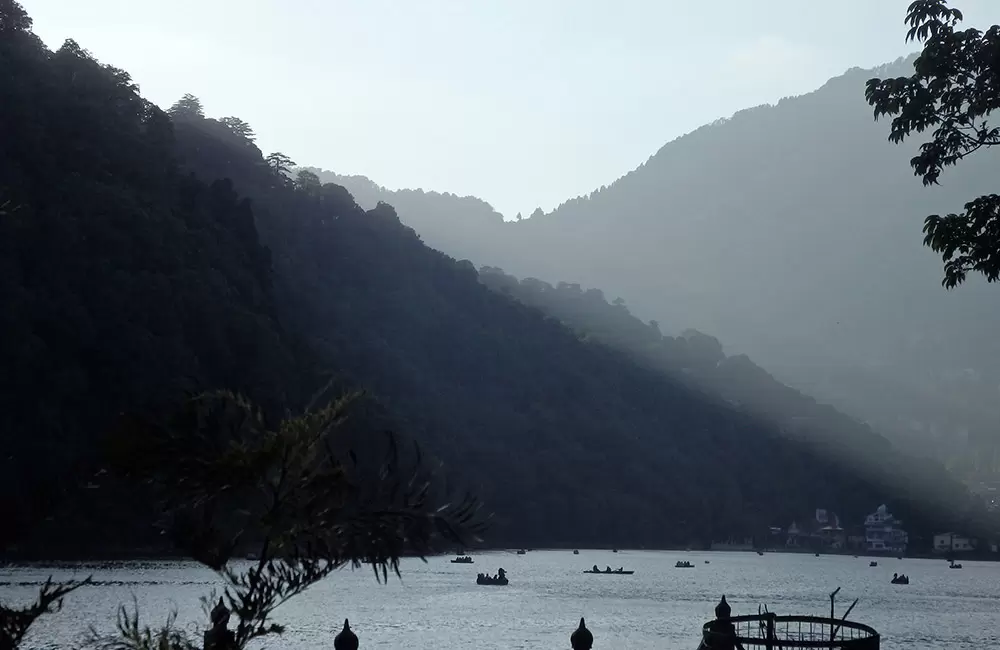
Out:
{"x": 523, "y": 103}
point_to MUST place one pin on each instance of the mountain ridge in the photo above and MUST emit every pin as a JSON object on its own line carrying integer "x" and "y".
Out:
{"x": 739, "y": 227}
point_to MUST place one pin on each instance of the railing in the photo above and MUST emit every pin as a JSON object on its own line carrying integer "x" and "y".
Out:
{"x": 773, "y": 632}
{"x": 726, "y": 632}
{"x": 788, "y": 633}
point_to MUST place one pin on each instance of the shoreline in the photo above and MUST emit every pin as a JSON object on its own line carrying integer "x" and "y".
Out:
{"x": 150, "y": 555}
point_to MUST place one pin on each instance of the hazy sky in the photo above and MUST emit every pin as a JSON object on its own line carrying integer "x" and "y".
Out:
{"x": 523, "y": 103}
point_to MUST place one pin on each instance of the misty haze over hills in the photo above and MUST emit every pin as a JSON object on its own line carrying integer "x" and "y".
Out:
{"x": 793, "y": 233}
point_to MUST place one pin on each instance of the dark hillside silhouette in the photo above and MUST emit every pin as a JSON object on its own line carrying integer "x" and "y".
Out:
{"x": 124, "y": 282}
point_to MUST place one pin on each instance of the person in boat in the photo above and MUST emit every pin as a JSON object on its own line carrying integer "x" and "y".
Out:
{"x": 621, "y": 569}
{"x": 607, "y": 569}
{"x": 501, "y": 574}
{"x": 596, "y": 570}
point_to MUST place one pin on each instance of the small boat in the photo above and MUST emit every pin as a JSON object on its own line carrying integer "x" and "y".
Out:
{"x": 873, "y": 563}
{"x": 760, "y": 552}
{"x": 462, "y": 559}
{"x": 499, "y": 580}
{"x": 614, "y": 550}
{"x": 953, "y": 565}
{"x": 817, "y": 555}
{"x": 707, "y": 562}
{"x": 900, "y": 579}
{"x": 683, "y": 565}
{"x": 521, "y": 551}
{"x": 576, "y": 552}
{"x": 614, "y": 572}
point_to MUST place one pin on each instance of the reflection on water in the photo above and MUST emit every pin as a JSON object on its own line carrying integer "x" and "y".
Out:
{"x": 438, "y": 604}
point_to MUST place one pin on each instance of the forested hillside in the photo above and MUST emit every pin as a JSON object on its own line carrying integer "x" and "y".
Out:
{"x": 698, "y": 360}
{"x": 793, "y": 233}
{"x": 146, "y": 254}
{"x": 124, "y": 282}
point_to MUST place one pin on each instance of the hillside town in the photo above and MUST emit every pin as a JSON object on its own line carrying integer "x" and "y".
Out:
{"x": 881, "y": 533}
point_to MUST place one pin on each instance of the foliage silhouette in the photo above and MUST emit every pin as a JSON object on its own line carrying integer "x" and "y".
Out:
{"x": 279, "y": 163}
{"x": 132, "y": 634}
{"x": 16, "y": 621}
{"x": 953, "y": 91}
{"x": 240, "y": 128}
{"x": 187, "y": 106}
{"x": 223, "y": 480}
{"x": 307, "y": 181}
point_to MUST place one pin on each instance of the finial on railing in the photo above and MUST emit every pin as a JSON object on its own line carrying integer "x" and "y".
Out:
{"x": 581, "y": 639}
{"x": 346, "y": 639}
{"x": 218, "y": 636}
{"x": 219, "y": 613}
{"x": 723, "y": 610}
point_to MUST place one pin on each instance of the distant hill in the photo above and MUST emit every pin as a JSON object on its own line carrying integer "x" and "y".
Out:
{"x": 791, "y": 232}
{"x": 445, "y": 221}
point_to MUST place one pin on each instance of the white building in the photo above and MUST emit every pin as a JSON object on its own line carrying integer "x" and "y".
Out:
{"x": 952, "y": 543}
{"x": 794, "y": 532}
{"x": 883, "y": 532}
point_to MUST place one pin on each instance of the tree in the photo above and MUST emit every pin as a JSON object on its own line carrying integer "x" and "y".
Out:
{"x": 187, "y": 106}
{"x": 224, "y": 479}
{"x": 954, "y": 89}
{"x": 13, "y": 17}
{"x": 307, "y": 181}
{"x": 279, "y": 163}
{"x": 240, "y": 128}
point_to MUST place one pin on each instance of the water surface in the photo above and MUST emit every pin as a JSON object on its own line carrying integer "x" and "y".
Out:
{"x": 438, "y": 605}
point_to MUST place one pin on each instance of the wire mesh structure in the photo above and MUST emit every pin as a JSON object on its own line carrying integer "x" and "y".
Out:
{"x": 774, "y": 632}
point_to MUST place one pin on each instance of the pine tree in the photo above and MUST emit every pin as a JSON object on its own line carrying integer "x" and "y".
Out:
{"x": 187, "y": 106}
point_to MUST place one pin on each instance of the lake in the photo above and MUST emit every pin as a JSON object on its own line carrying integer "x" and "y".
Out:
{"x": 438, "y": 605}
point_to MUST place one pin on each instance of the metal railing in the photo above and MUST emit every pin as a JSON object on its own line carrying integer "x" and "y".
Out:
{"x": 788, "y": 633}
